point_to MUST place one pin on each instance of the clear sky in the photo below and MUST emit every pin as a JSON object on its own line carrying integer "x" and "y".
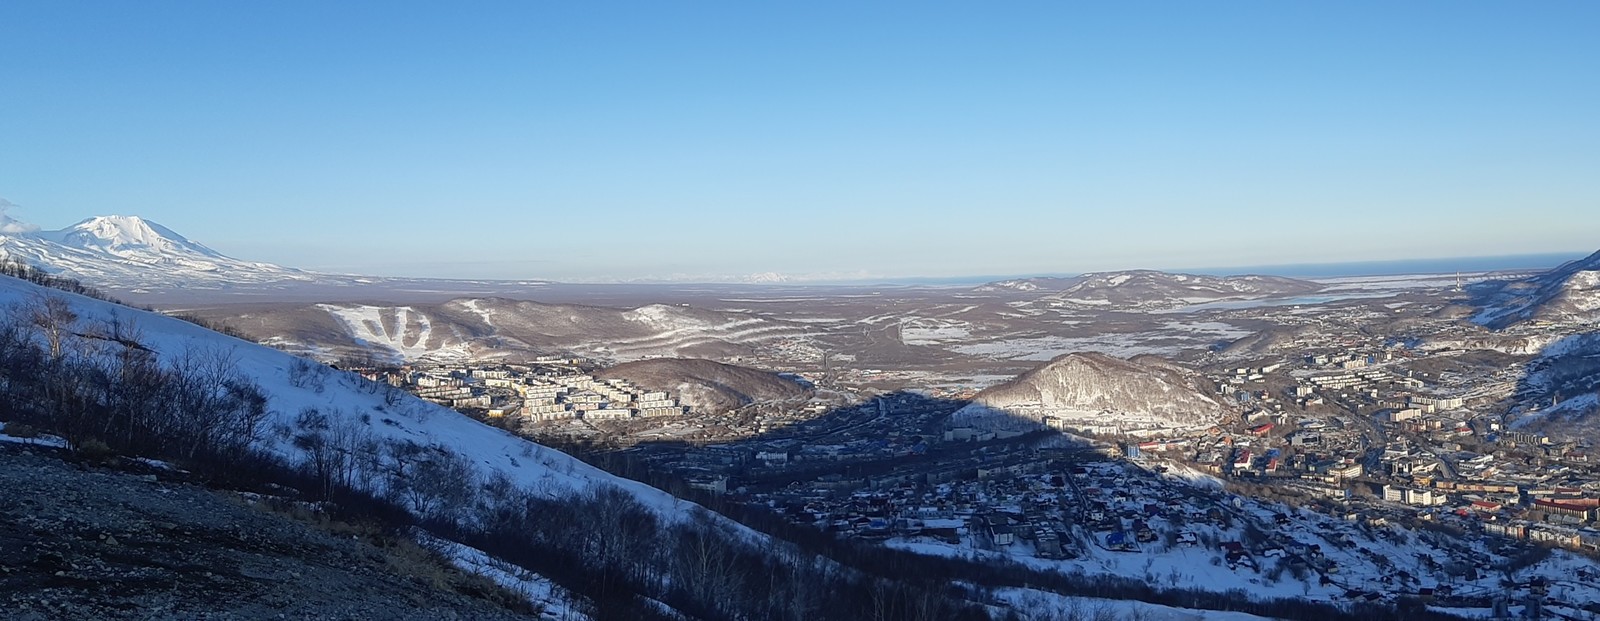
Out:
{"x": 597, "y": 140}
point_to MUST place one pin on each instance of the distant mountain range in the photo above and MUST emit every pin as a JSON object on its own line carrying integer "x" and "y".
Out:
{"x": 1150, "y": 290}
{"x": 1026, "y": 285}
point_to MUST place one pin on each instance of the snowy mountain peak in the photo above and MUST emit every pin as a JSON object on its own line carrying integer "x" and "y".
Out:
{"x": 129, "y": 253}
{"x": 126, "y": 236}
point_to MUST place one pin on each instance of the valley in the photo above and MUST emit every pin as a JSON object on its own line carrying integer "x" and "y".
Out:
{"x": 1413, "y": 443}
{"x": 1357, "y": 408}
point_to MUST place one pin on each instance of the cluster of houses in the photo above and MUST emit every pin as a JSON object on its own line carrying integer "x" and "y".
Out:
{"x": 1508, "y": 498}
{"x": 549, "y": 391}
{"x": 1045, "y": 508}
{"x": 583, "y": 396}
{"x": 1062, "y": 510}
{"x": 1436, "y": 455}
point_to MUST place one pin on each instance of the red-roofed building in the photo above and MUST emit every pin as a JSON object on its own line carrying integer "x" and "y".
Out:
{"x": 1584, "y": 511}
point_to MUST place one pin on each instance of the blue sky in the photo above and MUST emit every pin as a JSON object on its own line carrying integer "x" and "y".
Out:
{"x": 591, "y": 140}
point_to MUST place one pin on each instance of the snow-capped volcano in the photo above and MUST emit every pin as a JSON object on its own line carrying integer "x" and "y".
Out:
{"x": 129, "y": 252}
{"x": 129, "y": 237}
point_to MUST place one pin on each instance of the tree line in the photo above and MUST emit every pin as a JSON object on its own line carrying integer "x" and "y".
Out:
{"x": 99, "y": 387}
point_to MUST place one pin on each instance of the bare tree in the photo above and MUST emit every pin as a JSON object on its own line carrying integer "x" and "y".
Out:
{"x": 54, "y": 316}
{"x": 705, "y": 564}
{"x": 440, "y": 482}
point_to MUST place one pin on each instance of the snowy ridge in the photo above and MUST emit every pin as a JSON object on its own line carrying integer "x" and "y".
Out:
{"x": 1570, "y": 293}
{"x": 662, "y": 317}
{"x": 1532, "y": 344}
{"x": 1027, "y": 285}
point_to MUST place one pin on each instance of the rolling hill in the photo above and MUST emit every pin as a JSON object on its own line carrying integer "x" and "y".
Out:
{"x": 1028, "y": 285}
{"x": 1143, "y": 290}
{"x": 1095, "y": 390}
{"x": 489, "y": 328}
{"x": 705, "y": 385}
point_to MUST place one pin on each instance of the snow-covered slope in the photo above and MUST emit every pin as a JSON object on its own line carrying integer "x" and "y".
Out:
{"x": 1569, "y": 293}
{"x": 1559, "y": 393}
{"x": 1152, "y": 290}
{"x": 1096, "y": 390}
{"x": 131, "y": 253}
{"x": 402, "y": 332}
{"x": 499, "y": 328}
{"x": 347, "y": 399}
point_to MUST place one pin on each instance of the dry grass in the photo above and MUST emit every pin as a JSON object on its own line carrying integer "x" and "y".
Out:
{"x": 402, "y": 556}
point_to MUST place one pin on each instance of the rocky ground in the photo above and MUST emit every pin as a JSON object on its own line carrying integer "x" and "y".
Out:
{"x": 87, "y": 542}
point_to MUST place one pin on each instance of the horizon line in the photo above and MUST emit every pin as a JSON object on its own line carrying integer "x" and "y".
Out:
{"x": 1331, "y": 269}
